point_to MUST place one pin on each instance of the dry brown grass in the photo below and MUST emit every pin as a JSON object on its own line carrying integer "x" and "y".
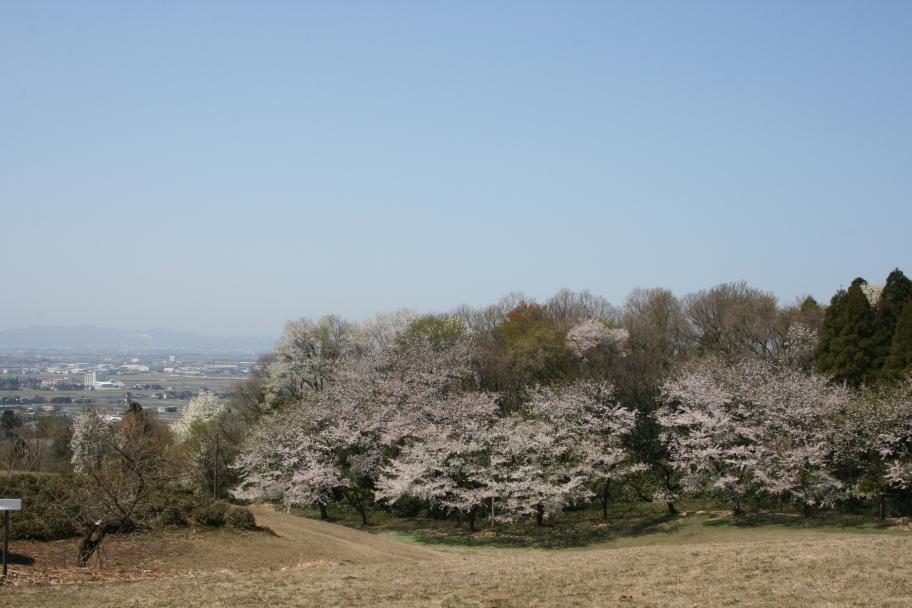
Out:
{"x": 699, "y": 564}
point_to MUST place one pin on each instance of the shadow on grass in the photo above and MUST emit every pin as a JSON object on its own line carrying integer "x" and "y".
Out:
{"x": 841, "y": 521}
{"x": 572, "y": 529}
{"x": 561, "y": 534}
{"x": 19, "y": 559}
{"x": 585, "y": 527}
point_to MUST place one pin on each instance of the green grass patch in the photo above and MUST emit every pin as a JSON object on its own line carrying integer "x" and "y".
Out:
{"x": 627, "y": 524}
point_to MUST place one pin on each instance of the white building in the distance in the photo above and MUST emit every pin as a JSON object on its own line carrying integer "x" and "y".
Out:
{"x": 91, "y": 382}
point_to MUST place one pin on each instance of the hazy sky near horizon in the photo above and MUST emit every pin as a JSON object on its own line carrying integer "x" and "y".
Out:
{"x": 222, "y": 167}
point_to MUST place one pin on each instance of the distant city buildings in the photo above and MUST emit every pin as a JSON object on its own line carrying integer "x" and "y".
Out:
{"x": 91, "y": 382}
{"x": 48, "y": 383}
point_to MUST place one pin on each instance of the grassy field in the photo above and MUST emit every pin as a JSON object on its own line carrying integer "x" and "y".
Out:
{"x": 702, "y": 559}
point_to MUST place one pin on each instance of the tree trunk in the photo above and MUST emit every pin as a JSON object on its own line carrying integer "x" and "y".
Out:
{"x": 736, "y": 506}
{"x": 883, "y": 507}
{"x": 363, "y": 512}
{"x": 90, "y": 542}
{"x": 669, "y": 473}
{"x": 357, "y": 502}
{"x": 540, "y": 515}
{"x": 323, "y": 514}
{"x": 807, "y": 511}
{"x": 605, "y": 499}
{"x": 472, "y": 520}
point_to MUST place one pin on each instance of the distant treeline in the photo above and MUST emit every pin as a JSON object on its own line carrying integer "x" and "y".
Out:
{"x": 541, "y": 406}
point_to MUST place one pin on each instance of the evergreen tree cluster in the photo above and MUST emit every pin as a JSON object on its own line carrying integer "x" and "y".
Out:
{"x": 866, "y": 336}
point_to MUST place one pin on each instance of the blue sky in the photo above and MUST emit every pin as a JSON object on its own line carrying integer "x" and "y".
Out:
{"x": 222, "y": 167}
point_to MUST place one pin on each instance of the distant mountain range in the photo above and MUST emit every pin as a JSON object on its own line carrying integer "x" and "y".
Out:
{"x": 91, "y": 338}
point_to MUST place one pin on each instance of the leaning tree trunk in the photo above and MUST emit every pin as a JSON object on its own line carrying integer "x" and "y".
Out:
{"x": 91, "y": 541}
{"x": 672, "y": 509}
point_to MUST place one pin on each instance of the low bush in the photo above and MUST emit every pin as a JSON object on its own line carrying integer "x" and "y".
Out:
{"x": 46, "y": 513}
{"x": 408, "y": 506}
{"x": 181, "y": 507}
{"x": 240, "y": 518}
{"x": 210, "y": 513}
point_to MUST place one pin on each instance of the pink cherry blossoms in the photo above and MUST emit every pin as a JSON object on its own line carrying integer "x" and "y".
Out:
{"x": 592, "y": 334}
{"x": 754, "y": 426}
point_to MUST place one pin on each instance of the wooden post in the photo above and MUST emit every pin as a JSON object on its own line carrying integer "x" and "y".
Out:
{"x": 5, "y": 540}
{"x": 7, "y": 505}
{"x": 215, "y": 468}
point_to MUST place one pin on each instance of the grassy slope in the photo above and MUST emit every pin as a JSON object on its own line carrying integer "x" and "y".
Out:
{"x": 695, "y": 561}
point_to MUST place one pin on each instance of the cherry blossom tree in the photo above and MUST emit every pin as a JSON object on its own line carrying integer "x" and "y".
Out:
{"x": 203, "y": 408}
{"x": 709, "y": 432}
{"x": 306, "y": 356}
{"x": 591, "y": 335}
{"x": 796, "y": 348}
{"x": 263, "y": 463}
{"x": 448, "y": 462}
{"x": 533, "y": 473}
{"x": 565, "y": 441}
{"x": 754, "y": 426}
{"x": 382, "y": 330}
{"x": 587, "y": 416}
{"x": 894, "y": 443}
{"x": 874, "y": 443}
{"x": 872, "y": 291}
{"x": 334, "y": 447}
{"x": 300, "y": 456}
{"x": 796, "y": 415}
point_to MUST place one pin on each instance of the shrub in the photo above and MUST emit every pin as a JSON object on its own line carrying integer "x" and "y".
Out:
{"x": 46, "y": 513}
{"x": 171, "y": 515}
{"x": 408, "y": 506}
{"x": 169, "y": 507}
{"x": 240, "y": 518}
{"x": 181, "y": 507}
{"x": 208, "y": 512}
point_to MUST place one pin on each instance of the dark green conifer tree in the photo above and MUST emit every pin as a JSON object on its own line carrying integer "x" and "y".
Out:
{"x": 899, "y": 363}
{"x": 809, "y": 306}
{"x": 829, "y": 330}
{"x": 896, "y": 294}
{"x": 845, "y": 350}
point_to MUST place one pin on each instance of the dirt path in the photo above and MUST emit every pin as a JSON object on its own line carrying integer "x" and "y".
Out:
{"x": 309, "y": 540}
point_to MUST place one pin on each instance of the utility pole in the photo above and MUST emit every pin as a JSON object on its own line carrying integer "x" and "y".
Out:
{"x": 215, "y": 467}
